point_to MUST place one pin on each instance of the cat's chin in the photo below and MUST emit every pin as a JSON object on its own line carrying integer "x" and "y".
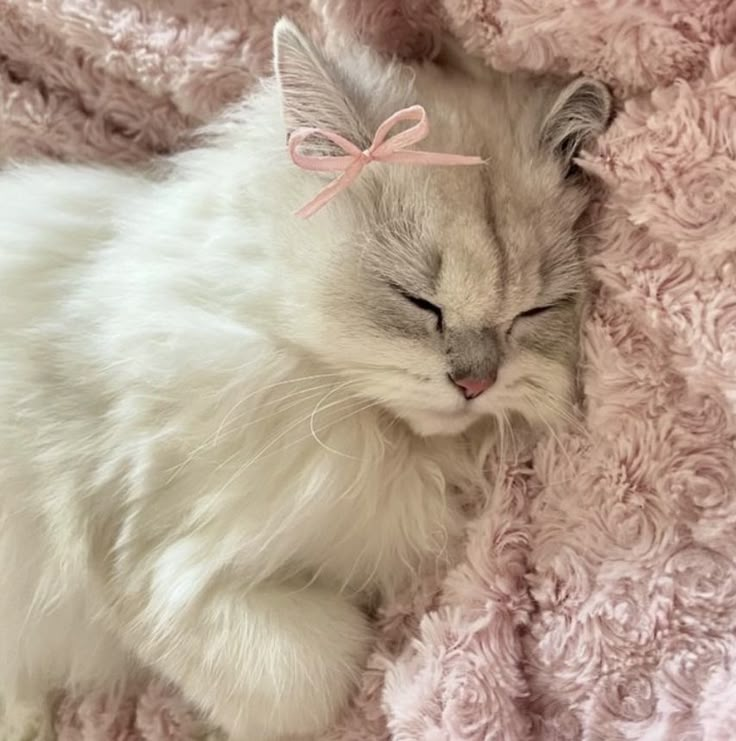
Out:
{"x": 430, "y": 424}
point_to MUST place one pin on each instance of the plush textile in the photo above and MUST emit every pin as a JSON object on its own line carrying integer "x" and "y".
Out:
{"x": 597, "y": 599}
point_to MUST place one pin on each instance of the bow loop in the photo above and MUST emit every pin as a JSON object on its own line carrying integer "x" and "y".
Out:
{"x": 384, "y": 148}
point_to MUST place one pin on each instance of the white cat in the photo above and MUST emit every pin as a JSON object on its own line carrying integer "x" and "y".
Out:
{"x": 223, "y": 429}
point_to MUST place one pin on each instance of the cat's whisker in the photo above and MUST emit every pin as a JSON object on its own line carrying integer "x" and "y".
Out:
{"x": 531, "y": 399}
{"x": 352, "y": 413}
{"x": 288, "y": 382}
{"x": 563, "y": 410}
{"x": 299, "y": 396}
{"x": 313, "y": 431}
{"x": 510, "y": 428}
{"x": 260, "y": 454}
{"x": 560, "y": 445}
{"x": 285, "y": 432}
{"x": 304, "y": 395}
{"x": 502, "y": 424}
{"x": 576, "y": 426}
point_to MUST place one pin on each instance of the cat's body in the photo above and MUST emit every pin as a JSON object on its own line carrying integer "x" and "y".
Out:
{"x": 209, "y": 459}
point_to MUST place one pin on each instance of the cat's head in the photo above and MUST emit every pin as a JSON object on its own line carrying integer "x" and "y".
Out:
{"x": 445, "y": 293}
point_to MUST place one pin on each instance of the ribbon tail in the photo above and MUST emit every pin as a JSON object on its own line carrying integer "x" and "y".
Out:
{"x": 440, "y": 159}
{"x": 340, "y": 183}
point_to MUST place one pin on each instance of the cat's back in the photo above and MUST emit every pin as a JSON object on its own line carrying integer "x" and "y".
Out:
{"x": 52, "y": 215}
{"x": 55, "y": 220}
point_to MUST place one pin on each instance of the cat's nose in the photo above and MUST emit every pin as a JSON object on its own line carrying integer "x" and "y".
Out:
{"x": 472, "y": 387}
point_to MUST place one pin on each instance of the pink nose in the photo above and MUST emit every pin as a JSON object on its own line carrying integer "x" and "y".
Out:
{"x": 472, "y": 387}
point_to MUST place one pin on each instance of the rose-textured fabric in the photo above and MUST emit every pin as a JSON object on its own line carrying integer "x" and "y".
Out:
{"x": 597, "y": 598}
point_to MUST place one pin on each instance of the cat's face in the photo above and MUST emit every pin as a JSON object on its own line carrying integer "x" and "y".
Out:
{"x": 450, "y": 294}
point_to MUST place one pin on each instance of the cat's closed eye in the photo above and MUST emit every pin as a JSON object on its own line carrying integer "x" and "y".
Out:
{"x": 423, "y": 304}
{"x": 535, "y": 311}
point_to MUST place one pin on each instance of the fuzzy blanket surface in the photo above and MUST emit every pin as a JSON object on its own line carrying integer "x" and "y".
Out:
{"x": 597, "y": 599}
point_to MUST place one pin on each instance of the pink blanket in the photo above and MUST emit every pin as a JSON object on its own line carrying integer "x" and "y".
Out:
{"x": 597, "y": 600}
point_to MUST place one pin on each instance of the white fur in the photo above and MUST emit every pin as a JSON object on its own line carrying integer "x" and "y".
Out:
{"x": 200, "y": 471}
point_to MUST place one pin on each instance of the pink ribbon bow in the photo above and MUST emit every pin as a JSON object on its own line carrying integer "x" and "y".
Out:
{"x": 384, "y": 148}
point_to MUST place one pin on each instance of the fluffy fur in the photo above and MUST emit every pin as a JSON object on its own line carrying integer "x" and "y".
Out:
{"x": 225, "y": 433}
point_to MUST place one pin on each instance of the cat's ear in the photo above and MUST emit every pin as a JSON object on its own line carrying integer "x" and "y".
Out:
{"x": 313, "y": 90}
{"x": 581, "y": 113}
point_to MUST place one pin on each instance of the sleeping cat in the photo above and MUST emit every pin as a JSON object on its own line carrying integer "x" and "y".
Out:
{"x": 225, "y": 430}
